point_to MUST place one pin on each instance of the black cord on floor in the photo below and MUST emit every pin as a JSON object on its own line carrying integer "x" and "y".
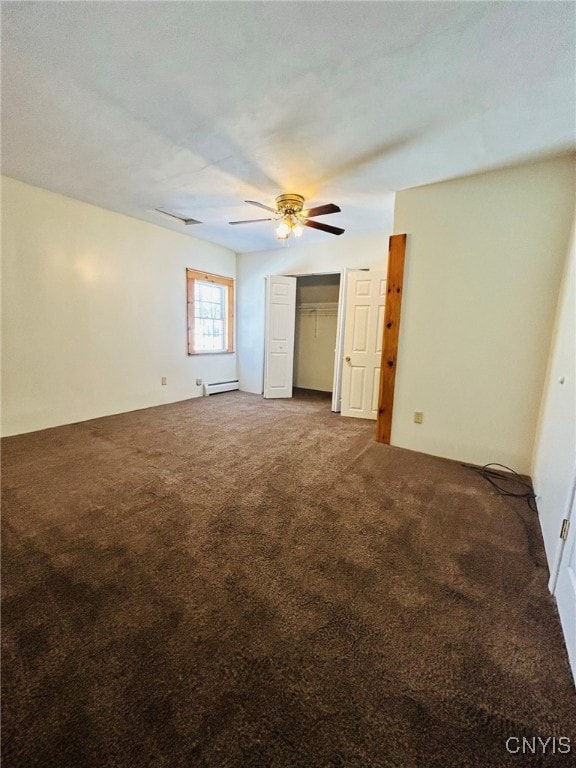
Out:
{"x": 499, "y": 479}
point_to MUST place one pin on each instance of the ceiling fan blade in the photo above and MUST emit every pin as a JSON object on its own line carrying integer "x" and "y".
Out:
{"x": 321, "y": 210}
{"x": 323, "y": 227}
{"x": 249, "y": 221}
{"x": 261, "y": 205}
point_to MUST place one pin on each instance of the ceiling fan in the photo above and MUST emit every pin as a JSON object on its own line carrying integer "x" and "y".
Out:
{"x": 292, "y": 217}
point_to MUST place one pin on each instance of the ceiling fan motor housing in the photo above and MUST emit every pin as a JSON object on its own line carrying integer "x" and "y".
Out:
{"x": 290, "y": 203}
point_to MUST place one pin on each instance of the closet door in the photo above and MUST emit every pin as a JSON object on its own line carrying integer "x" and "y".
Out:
{"x": 339, "y": 349}
{"x": 363, "y": 335}
{"x": 279, "y": 335}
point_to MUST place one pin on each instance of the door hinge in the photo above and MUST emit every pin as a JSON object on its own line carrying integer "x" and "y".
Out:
{"x": 564, "y": 529}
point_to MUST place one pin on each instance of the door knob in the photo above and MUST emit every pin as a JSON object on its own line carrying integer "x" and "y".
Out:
{"x": 347, "y": 358}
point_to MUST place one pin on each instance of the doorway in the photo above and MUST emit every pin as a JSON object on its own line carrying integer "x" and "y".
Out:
{"x": 367, "y": 325}
{"x": 306, "y": 337}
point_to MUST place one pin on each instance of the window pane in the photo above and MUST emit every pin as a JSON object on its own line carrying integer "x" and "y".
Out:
{"x": 209, "y": 297}
{"x": 209, "y": 317}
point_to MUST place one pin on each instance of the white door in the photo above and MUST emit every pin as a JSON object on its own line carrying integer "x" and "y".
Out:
{"x": 279, "y": 345}
{"x": 363, "y": 334}
{"x": 565, "y": 592}
{"x": 339, "y": 351}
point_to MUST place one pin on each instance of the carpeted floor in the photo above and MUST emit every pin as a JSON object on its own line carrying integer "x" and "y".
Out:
{"x": 231, "y": 581}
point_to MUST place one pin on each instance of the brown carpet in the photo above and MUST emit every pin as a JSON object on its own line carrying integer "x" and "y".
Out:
{"x": 239, "y": 582}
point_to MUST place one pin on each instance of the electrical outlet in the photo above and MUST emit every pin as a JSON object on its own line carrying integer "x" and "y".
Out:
{"x": 418, "y": 417}
{"x": 164, "y": 380}
{"x": 198, "y": 382}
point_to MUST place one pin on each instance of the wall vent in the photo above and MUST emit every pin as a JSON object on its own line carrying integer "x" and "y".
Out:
{"x": 220, "y": 386}
{"x": 176, "y": 216}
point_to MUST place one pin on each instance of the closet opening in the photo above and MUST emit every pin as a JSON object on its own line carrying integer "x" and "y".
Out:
{"x": 315, "y": 332}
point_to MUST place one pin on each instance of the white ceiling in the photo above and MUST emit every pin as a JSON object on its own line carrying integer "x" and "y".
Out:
{"x": 197, "y": 106}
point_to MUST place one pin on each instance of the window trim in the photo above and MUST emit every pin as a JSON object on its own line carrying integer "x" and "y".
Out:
{"x": 206, "y": 277}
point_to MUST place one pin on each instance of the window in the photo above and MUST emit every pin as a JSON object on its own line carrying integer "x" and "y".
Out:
{"x": 210, "y": 313}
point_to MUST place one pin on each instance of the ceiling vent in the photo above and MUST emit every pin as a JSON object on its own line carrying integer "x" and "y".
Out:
{"x": 183, "y": 219}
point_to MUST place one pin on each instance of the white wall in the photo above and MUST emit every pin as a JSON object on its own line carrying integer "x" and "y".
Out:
{"x": 554, "y": 458}
{"x": 300, "y": 259}
{"x": 484, "y": 261}
{"x": 320, "y": 288}
{"x": 315, "y": 333}
{"x": 94, "y": 311}
{"x": 314, "y": 345}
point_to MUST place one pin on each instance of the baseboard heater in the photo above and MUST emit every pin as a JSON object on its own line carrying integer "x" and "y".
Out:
{"x": 220, "y": 386}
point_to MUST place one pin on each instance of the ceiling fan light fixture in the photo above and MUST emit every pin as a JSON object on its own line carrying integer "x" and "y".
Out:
{"x": 297, "y": 228}
{"x": 290, "y": 218}
{"x": 290, "y": 224}
{"x": 283, "y": 230}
